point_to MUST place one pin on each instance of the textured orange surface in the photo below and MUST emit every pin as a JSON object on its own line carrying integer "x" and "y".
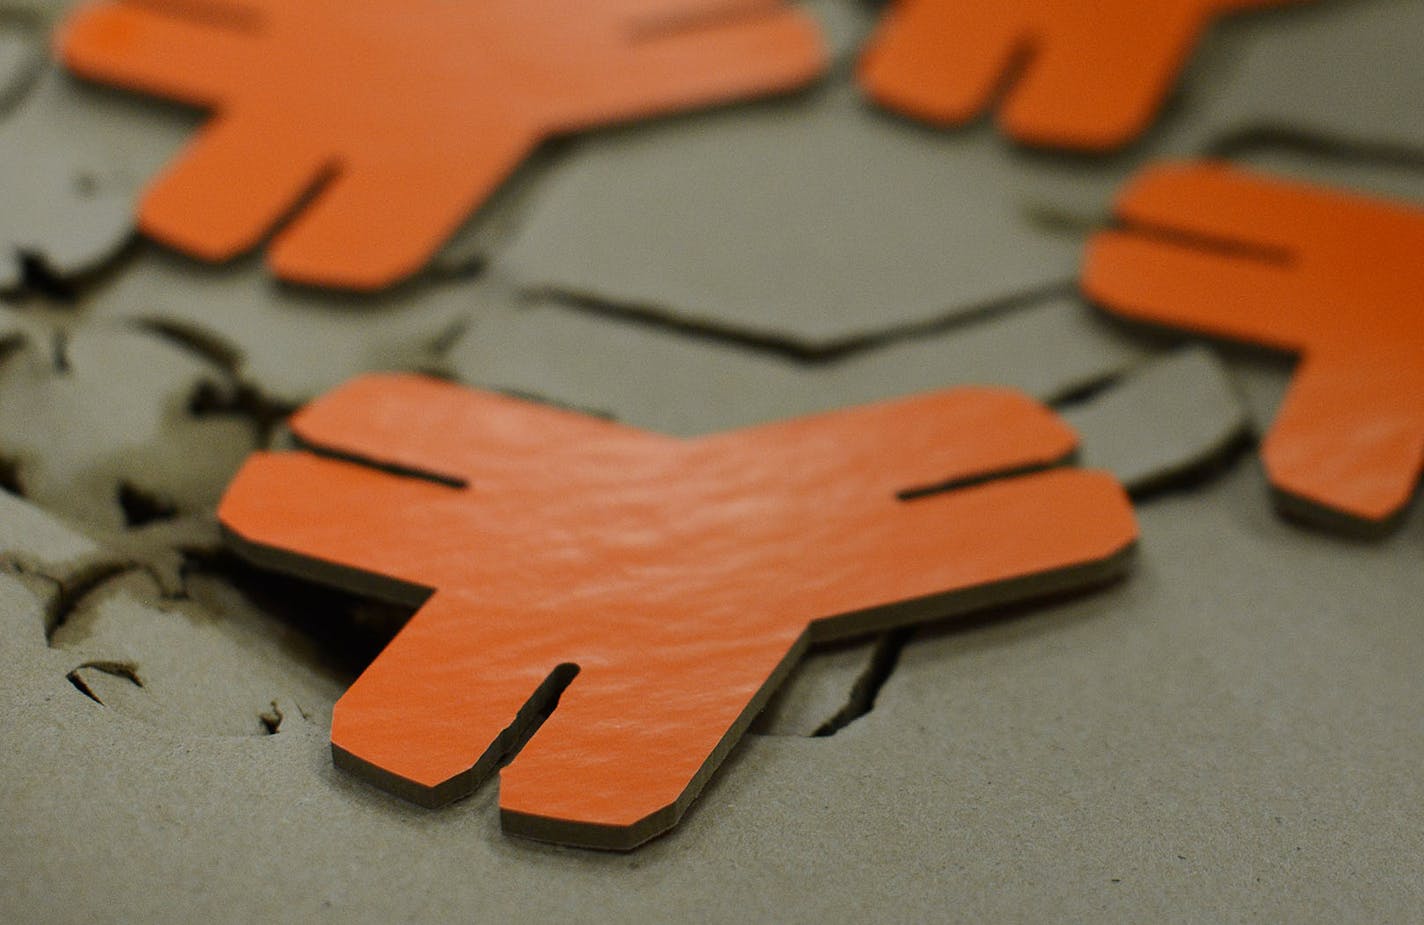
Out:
{"x": 680, "y": 576}
{"x": 1335, "y": 277}
{"x": 1084, "y": 74}
{"x": 408, "y": 113}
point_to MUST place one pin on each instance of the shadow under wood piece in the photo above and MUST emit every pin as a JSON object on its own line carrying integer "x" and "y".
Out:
{"x": 819, "y": 688}
{"x": 647, "y": 591}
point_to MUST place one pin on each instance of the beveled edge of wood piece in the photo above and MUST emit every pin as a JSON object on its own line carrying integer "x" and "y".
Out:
{"x": 1308, "y": 512}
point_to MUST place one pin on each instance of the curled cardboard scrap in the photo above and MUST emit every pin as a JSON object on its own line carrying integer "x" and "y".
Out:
{"x": 92, "y": 451}
{"x": 680, "y": 580}
{"x": 1082, "y": 75}
{"x": 1332, "y": 276}
{"x": 67, "y": 179}
{"x": 385, "y": 105}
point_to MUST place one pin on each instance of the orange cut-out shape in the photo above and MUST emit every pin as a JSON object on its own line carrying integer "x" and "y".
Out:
{"x": 1337, "y": 278}
{"x": 680, "y": 580}
{"x": 406, "y": 113}
{"x": 1082, "y": 74}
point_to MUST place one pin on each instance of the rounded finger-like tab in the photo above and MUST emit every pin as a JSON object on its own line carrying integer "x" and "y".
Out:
{"x": 447, "y": 432}
{"x": 340, "y": 523}
{"x": 1347, "y": 447}
{"x": 230, "y": 185}
{"x": 448, "y": 699}
{"x": 938, "y": 62}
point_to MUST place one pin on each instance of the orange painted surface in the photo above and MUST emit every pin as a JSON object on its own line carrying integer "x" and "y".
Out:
{"x": 676, "y": 574}
{"x": 1337, "y": 278}
{"x": 408, "y": 112}
{"x": 1083, "y": 74}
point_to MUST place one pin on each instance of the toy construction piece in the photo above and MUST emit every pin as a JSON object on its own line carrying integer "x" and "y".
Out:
{"x": 658, "y": 589}
{"x": 386, "y": 105}
{"x": 1334, "y": 277}
{"x": 1088, "y": 76}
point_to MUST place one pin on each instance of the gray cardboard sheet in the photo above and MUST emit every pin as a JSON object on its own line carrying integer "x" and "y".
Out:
{"x": 685, "y": 219}
{"x": 286, "y": 343}
{"x": 666, "y": 381}
{"x": 1172, "y": 419}
{"x": 1229, "y": 734}
{"x": 73, "y": 160}
{"x": 1326, "y": 89}
{"x": 110, "y": 407}
{"x": 1175, "y": 748}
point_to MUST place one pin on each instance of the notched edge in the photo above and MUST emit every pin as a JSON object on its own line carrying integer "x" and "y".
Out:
{"x": 501, "y": 751}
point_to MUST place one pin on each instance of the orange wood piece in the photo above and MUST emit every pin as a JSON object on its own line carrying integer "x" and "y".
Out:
{"x": 1337, "y": 278}
{"x": 408, "y": 113}
{"x": 679, "y": 579}
{"x": 1086, "y": 74}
